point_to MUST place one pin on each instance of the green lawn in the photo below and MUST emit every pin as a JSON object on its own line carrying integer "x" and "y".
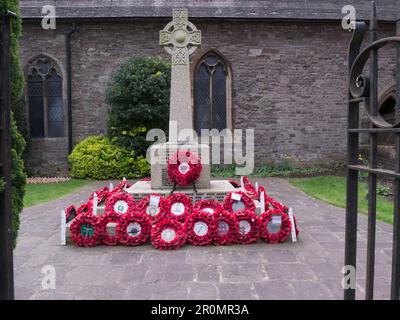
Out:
{"x": 39, "y": 193}
{"x": 332, "y": 189}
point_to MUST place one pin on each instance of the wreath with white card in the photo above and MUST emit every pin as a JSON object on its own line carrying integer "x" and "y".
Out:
{"x": 227, "y": 227}
{"x": 274, "y": 226}
{"x": 178, "y": 206}
{"x": 134, "y": 229}
{"x": 153, "y": 206}
{"x": 238, "y": 201}
{"x": 184, "y": 167}
{"x": 168, "y": 234}
{"x": 109, "y": 222}
{"x": 248, "y": 227}
{"x": 200, "y": 228}
{"x": 120, "y": 203}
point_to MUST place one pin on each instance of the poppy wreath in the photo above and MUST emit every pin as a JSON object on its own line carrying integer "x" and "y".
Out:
{"x": 121, "y": 202}
{"x": 101, "y": 195}
{"x": 248, "y": 227}
{"x": 209, "y": 206}
{"x": 110, "y": 239}
{"x": 227, "y": 227}
{"x": 184, "y": 167}
{"x": 233, "y": 206}
{"x": 282, "y": 233}
{"x": 70, "y": 213}
{"x": 153, "y": 213}
{"x": 200, "y": 228}
{"x": 168, "y": 234}
{"x": 177, "y": 206}
{"x": 134, "y": 229}
{"x": 86, "y": 230}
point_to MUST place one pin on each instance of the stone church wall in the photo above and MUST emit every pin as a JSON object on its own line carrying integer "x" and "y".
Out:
{"x": 289, "y": 81}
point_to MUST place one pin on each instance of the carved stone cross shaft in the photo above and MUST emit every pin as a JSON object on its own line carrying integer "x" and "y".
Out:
{"x": 180, "y": 38}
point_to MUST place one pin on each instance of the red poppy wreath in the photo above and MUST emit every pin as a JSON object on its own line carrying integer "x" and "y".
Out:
{"x": 200, "y": 228}
{"x": 168, "y": 234}
{"x": 86, "y": 230}
{"x": 274, "y": 226}
{"x": 109, "y": 222}
{"x": 227, "y": 227}
{"x": 121, "y": 203}
{"x": 70, "y": 213}
{"x": 153, "y": 206}
{"x": 209, "y": 206}
{"x": 248, "y": 227}
{"x": 184, "y": 167}
{"x": 178, "y": 206}
{"x": 238, "y": 201}
{"x": 134, "y": 229}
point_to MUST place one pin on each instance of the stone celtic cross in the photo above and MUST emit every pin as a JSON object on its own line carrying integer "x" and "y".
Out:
{"x": 180, "y": 38}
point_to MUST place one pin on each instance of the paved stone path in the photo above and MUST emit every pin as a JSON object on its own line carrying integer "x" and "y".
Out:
{"x": 309, "y": 269}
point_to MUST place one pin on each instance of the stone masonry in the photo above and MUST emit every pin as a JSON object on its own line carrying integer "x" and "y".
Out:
{"x": 288, "y": 79}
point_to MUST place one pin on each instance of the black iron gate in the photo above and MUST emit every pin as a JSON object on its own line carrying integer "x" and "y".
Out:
{"x": 363, "y": 89}
{"x": 6, "y": 237}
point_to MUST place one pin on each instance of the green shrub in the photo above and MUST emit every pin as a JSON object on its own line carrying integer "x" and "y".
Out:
{"x": 138, "y": 95}
{"x": 17, "y": 140}
{"x": 97, "y": 158}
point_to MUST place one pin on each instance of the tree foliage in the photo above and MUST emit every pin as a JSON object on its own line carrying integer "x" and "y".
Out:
{"x": 138, "y": 95}
{"x": 17, "y": 141}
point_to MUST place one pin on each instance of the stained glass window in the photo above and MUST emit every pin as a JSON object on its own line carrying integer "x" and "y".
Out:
{"x": 46, "y": 111}
{"x": 210, "y": 80}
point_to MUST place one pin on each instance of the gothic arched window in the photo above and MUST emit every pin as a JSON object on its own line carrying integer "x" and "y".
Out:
{"x": 45, "y": 99}
{"x": 211, "y": 93}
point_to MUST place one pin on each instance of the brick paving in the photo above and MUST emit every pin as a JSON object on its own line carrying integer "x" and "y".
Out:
{"x": 309, "y": 269}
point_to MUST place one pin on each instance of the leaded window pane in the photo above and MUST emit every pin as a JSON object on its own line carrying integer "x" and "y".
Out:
{"x": 46, "y": 112}
{"x": 55, "y": 112}
{"x": 219, "y": 98}
{"x": 36, "y": 106}
{"x": 211, "y": 94}
{"x": 202, "y": 99}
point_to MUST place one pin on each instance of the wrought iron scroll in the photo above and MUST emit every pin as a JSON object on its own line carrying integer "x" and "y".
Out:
{"x": 363, "y": 89}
